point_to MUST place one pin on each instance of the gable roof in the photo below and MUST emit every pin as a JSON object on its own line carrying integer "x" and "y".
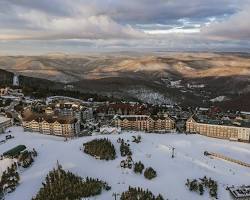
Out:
{"x": 30, "y": 116}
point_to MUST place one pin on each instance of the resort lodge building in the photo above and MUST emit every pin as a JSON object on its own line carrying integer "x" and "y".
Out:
{"x": 159, "y": 123}
{"x": 219, "y": 129}
{"x": 51, "y": 125}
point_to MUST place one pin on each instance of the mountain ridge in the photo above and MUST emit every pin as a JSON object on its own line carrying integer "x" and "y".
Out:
{"x": 167, "y": 77}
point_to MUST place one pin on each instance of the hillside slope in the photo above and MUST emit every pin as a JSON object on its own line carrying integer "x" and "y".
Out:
{"x": 191, "y": 78}
{"x": 154, "y": 151}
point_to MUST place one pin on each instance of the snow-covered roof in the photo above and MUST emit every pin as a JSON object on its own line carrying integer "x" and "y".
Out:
{"x": 245, "y": 113}
{"x": 3, "y": 119}
{"x": 240, "y": 191}
{"x": 4, "y": 164}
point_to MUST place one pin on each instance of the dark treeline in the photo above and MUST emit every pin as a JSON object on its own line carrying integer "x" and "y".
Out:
{"x": 6, "y": 78}
{"x": 200, "y": 185}
{"x": 42, "y": 88}
{"x": 9, "y": 180}
{"x": 62, "y": 185}
{"x": 139, "y": 194}
{"x": 100, "y": 148}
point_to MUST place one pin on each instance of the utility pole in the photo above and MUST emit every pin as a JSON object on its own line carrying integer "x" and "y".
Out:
{"x": 115, "y": 195}
{"x": 173, "y": 152}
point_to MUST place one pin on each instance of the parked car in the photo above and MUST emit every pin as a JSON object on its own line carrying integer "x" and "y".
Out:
{"x": 7, "y": 137}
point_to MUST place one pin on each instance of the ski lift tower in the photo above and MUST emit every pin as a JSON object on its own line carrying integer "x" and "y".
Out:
{"x": 116, "y": 195}
{"x": 173, "y": 152}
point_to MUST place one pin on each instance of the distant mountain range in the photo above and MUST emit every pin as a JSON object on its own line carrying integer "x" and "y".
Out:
{"x": 186, "y": 78}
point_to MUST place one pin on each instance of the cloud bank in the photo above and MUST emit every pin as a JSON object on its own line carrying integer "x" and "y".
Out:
{"x": 161, "y": 24}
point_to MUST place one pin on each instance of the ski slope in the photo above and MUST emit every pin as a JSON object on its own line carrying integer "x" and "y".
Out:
{"x": 155, "y": 150}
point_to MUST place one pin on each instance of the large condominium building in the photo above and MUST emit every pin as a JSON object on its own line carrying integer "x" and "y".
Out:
{"x": 161, "y": 123}
{"x": 51, "y": 125}
{"x": 5, "y": 123}
{"x": 219, "y": 128}
{"x": 69, "y": 109}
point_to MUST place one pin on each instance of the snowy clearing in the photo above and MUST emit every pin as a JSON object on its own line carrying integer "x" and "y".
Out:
{"x": 219, "y": 99}
{"x": 154, "y": 151}
{"x": 4, "y": 164}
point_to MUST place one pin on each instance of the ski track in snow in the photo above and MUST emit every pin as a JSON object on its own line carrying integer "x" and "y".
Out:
{"x": 155, "y": 150}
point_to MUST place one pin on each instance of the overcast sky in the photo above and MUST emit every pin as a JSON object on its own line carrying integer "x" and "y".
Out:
{"x": 74, "y": 26}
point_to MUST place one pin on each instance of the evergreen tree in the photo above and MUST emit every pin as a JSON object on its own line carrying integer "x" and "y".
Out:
{"x": 138, "y": 167}
{"x": 139, "y": 194}
{"x": 26, "y": 158}
{"x": 9, "y": 180}
{"x": 194, "y": 185}
{"x": 201, "y": 189}
{"x": 159, "y": 197}
{"x": 62, "y": 185}
{"x": 125, "y": 149}
{"x": 1, "y": 191}
{"x": 100, "y": 148}
{"x": 204, "y": 183}
{"x": 150, "y": 173}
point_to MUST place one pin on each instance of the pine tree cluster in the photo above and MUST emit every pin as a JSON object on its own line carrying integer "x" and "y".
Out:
{"x": 125, "y": 149}
{"x": 127, "y": 163}
{"x": 9, "y": 180}
{"x": 201, "y": 184}
{"x": 100, "y": 148}
{"x": 26, "y": 158}
{"x": 62, "y": 185}
{"x": 150, "y": 173}
{"x": 139, "y": 194}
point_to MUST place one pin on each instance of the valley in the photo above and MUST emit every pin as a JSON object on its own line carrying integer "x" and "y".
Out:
{"x": 184, "y": 78}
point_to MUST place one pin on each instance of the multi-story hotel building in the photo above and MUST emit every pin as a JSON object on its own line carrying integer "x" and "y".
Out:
{"x": 219, "y": 129}
{"x": 5, "y": 123}
{"x": 161, "y": 123}
{"x": 68, "y": 109}
{"x": 51, "y": 125}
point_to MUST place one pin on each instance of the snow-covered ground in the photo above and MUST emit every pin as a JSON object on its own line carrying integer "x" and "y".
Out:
{"x": 149, "y": 96}
{"x": 219, "y": 99}
{"x": 4, "y": 164}
{"x": 154, "y": 150}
